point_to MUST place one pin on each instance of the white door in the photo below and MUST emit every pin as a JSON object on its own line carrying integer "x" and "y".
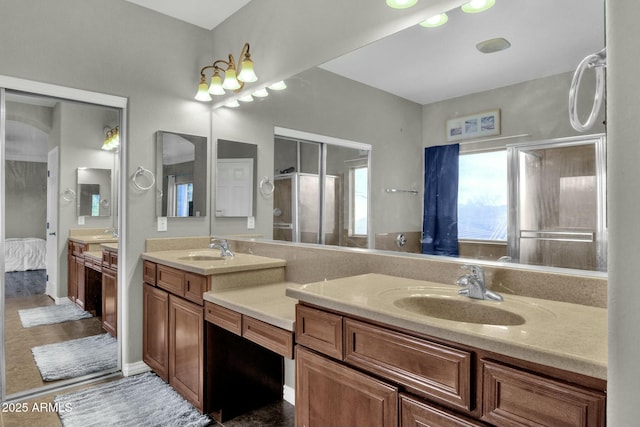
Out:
{"x": 234, "y": 187}
{"x": 52, "y": 224}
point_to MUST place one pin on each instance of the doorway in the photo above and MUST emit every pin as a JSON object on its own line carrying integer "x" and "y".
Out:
{"x": 46, "y": 134}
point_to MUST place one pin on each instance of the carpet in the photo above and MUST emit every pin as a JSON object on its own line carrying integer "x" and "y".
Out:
{"x": 75, "y": 358}
{"x": 140, "y": 400}
{"x": 50, "y": 314}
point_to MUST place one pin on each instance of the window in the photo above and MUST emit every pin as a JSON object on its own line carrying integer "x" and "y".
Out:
{"x": 184, "y": 199}
{"x": 482, "y": 196}
{"x": 359, "y": 200}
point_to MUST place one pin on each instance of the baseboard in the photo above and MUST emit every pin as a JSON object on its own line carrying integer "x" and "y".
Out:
{"x": 289, "y": 394}
{"x": 136, "y": 368}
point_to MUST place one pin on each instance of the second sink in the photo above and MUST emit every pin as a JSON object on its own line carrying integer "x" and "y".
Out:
{"x": 459, "y": 310}
{"x": 199, "y": 256}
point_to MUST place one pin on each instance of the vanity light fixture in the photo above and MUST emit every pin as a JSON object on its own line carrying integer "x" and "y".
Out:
{"x": 233, "y": 80}
{"x": 401, "y": 4}
{"x": 475, "y": 6}
{"x": 232, "y": 104}
{"x": 246, "y": 98}
{"x": 111, "y": 139}
{"x": 435, "y": 21}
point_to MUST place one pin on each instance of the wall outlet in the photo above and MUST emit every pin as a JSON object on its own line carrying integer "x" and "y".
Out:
{"x": 81, "y": 220}
{"x": 251, "y": 222}
{"x": 162, "y": 223}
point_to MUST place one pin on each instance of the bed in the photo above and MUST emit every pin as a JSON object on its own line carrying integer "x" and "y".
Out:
{"x": 26, "y": 253}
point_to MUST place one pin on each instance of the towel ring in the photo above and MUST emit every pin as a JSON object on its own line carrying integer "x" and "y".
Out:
{"x": 597, "y": 61}
{"x": 266, "y": 186}
{"x": 68, "y": 195}
{"x": 141, "y": 172}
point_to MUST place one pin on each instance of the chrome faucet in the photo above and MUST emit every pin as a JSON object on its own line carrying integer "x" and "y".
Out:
{"x": 113, "y": 231}
{"x": 223, "y": 245}
{"x": 475, "y": 285}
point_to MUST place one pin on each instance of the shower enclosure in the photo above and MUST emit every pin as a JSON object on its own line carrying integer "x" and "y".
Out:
{"x": 557, "y": 205}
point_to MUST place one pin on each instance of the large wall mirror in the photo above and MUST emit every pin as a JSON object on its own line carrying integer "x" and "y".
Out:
{"x": 444, "y": 76}
{"x": 94, "y": 192}
{"x": 181, "y": 169}
{"x": 236, "y": 169}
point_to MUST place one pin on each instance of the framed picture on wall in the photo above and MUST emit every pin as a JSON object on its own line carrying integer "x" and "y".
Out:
{"x": 477, "y": 125}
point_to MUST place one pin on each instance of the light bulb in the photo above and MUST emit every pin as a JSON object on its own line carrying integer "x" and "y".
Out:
{"x": 401, "y": 4}
{"x": 278, "y": 85}
{"x": 261, "y": 93}
{"x": 247, "y": 74}
{"x": 246, "y": 98}
{"x": 230, "y": 80}
{"x": 203, "y": 92}
{"x": 232, "y": 104}
{"x": 215, "y": 87}
{"x": 435, "y": 21}
{"x": 475, "y": 6}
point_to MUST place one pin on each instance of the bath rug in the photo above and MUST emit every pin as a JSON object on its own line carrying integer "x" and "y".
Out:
{"x": 75, "y": 358}
{"x": 51, "y": 314}
{"x": 140, "y": 400}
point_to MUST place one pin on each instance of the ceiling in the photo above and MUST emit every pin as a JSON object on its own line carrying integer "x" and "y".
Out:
{"x": 426, "y": 65}
{"x": 203, "y": 13}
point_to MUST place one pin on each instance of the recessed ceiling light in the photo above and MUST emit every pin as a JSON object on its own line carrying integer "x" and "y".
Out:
{"x": 401, "y": 4}
{"x": 493, "y": 45}
{"x": 435, "y": 21}
{"x": 475, "y": 6}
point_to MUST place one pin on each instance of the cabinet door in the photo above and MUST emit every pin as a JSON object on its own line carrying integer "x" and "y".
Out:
{"x": 72, "y": 280}
{"x": 416, "y": 413}
{"x": 512, "y": 397}
{"x": 80, "y": 285}
{"x": 110, "y": 301}
{"x": 331, "y": 394}
{"x": 186, "y": 349}
{"x": 155, "y": 334}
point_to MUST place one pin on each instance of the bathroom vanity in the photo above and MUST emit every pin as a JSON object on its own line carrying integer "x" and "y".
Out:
{"x": 199, "y": 335}
{"x": 379, "y": 350}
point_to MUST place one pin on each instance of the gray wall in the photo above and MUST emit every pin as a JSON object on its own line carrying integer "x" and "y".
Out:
{"x": 25, "y": 199}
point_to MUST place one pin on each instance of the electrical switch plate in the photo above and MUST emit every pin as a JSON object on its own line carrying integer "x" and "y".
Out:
{"x": 162, "y": 223}
{"x": 251, "y": 222}
{"x": 81, "y": 220}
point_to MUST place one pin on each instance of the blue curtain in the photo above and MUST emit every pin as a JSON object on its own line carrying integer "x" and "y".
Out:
{"x": 440, "y": 217}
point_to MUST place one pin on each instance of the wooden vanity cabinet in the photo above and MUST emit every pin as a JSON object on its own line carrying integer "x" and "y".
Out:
{"x": 437, "y": 383}
{"x": 76, "y": 274}
{"x": 110, "y": 291}
{"x": 173, "y": 330}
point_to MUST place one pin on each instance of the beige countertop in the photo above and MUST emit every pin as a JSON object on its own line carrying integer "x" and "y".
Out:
{"x": 97, "y": 255}
{"x": 113, "y": 246}
{"x": 267, "y": 303}
{"x": 566, "y": 336}
{"x": 89, "y": 239}
{"x": 187, "y": 259}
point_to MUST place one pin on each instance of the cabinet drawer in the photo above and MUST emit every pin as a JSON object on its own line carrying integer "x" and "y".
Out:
{"x": 78, "y": 248}
{"x": 170, "y": 279}
{"x": 416, "y": 413}
{"x": 113, "y": 260}
{"x": 148, "y": 272}
{"x": 512, "y": 397}
{"x": 194, "y": 286}
{"x": 442, "y": 373}
{"x": 275, "y": 339}
{"x": 223, "y": 317}
{"x": 319, "y": 331}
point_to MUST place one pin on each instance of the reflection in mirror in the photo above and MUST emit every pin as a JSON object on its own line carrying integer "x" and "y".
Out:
{"x": 181, "y": 168}
{"x": 529, "y": 83}
{"x": 321, "y": 192}
{"x": 47, "y": 142}
{"x": 94, "y": 192}
{"x": 236, "y": 168}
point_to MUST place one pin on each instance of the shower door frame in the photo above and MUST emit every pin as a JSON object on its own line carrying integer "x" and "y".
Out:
{"x": 513, "y": 159}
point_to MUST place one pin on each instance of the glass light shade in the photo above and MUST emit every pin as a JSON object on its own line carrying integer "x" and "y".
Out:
{"x": 278, "y": 86}
{"x": 232, "y": 104}
{"x": 246, "y": 98}
{"x": 401, "y": 4}
{"x": 203, "y": 92}
{"x": 435, "y": 21}
{"x": 247, "y": 74}
{"x": 261, "y": 93}
{"x": 230, "y": 80}
{"x": 215, "y": 88}
{"x": 475, "y": 6}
